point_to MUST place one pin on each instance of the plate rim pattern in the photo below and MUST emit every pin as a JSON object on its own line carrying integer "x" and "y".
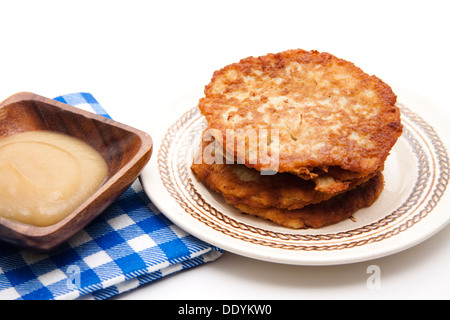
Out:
{"x": 168, "y": 170}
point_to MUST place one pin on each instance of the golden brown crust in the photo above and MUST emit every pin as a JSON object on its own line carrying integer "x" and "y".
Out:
{"x": 240, "y": 185}
{"x": 325, "y": 213}
{"x": 327, "y": 111}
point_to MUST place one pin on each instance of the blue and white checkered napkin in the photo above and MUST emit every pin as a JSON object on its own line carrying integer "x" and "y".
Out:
{"x": 128, "y": 245}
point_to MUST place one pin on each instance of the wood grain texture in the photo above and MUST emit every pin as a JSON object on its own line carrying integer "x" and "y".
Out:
{"x": 125, "y": 149}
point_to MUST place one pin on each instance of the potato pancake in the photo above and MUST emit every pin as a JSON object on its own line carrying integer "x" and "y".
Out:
{"x": 328, "y": 113}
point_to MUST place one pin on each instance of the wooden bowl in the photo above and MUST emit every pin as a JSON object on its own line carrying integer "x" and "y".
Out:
{"x": 125, "y": 149}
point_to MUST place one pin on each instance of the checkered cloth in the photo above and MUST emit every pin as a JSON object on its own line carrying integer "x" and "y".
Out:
{"x": 129, "y": 244}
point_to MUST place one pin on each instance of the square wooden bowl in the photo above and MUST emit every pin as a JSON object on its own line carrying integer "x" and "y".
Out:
{"x": 125, "y": 149}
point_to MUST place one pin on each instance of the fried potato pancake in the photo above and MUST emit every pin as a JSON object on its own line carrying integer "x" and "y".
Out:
{"x": 240, "y": 185}
{"x": 325, "y": 213}
{"x": 327, "y": 113}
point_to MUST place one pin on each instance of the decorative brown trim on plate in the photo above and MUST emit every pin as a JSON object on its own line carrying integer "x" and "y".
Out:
{"x": 174, "y": 160}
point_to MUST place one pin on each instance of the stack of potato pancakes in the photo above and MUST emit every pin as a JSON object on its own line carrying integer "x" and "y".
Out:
{"x": 298, "y": 137}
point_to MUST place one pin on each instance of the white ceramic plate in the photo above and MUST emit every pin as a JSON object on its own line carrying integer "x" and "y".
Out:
{"x": 412, "y": 207}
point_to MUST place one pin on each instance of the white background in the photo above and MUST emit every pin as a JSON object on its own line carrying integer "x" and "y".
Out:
{"x": 136, "y": 57}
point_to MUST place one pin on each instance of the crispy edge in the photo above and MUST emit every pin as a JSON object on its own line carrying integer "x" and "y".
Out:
{"x": 282, "y": 190}
{"x": 325, "y": 213}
